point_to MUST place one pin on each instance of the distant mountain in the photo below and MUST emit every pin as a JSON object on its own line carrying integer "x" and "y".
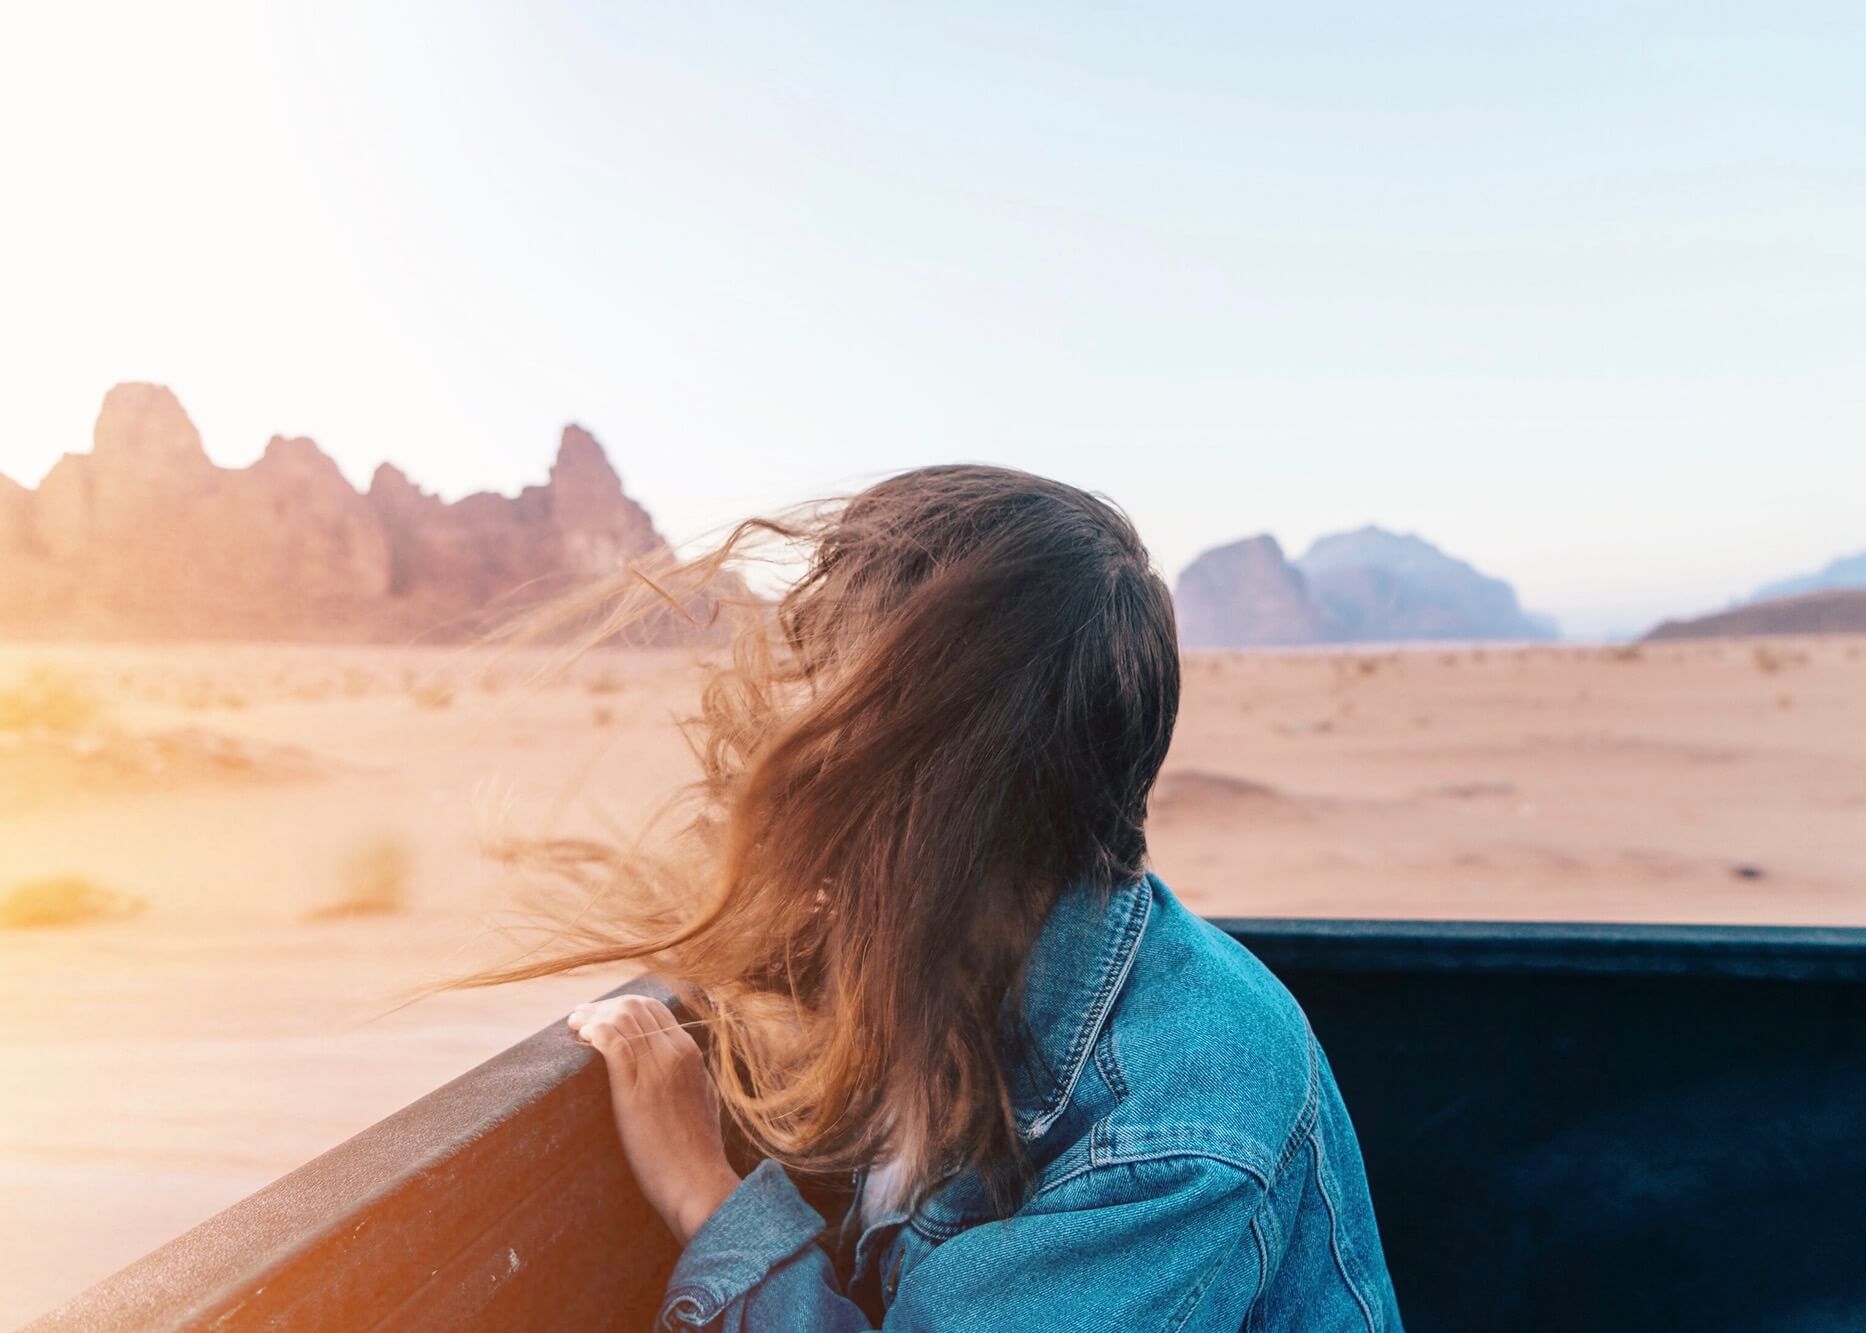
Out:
{"x": 1849, "y": 571}
{"x": 1830, "y": 611}
{"x": 1379, "y": 585}
{"x": 144, "y": 537}
{"x": 1246, "y": 595}
{"x": 1369, "y": 585}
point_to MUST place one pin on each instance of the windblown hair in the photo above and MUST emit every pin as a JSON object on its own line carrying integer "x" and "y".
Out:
{"x": 952, "y": 717}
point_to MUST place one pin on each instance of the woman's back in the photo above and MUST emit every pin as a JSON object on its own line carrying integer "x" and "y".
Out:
{"x": 1193, "y": 1167}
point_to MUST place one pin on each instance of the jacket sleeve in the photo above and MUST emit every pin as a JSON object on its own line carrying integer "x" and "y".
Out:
{"x": 1142, "y": 1247}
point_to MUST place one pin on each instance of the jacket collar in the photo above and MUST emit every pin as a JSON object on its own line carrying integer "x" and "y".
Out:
{"x": 1080, "y": 961}
{"x": 1082, "y": 957}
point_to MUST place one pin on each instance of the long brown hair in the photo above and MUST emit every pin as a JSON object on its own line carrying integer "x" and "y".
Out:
{"x": 953, "y": 716}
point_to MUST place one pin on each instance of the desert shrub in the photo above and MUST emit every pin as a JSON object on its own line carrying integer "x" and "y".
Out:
{"x": 432, "y": 694}
{"x": 62, "y": 900}
{"x": 607, "y": 682}
{"x": 372, "y": 881}
{"x": 48, "y": 700}
{"x": 602, "y": 715}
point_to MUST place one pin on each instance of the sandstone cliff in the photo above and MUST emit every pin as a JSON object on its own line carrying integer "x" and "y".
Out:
{"x": 1830, "y": 611}
{"x": 1375, "y": 585}
{"x": 145, "y": 537}
{"x": 1363, "y": 586}
{"x": 1245, "y": 595}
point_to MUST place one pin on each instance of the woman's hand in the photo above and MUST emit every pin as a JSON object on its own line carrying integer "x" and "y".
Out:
{"x": 667, "y": 1110}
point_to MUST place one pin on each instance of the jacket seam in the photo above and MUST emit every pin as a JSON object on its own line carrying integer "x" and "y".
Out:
{"x": 937, "y": 1232}
{"x": 1334, "y": 1232}
{"x": 698, "y": 1298}
{"x": 1248, "y": 1166}
{"x": 1253, "y": 1315}
{"x": 941, "y": 1231}
{"x": 1081, "y": 1168}
{"x": 1196, "y": 1297}
{"x": 1311, "y": 1109}
{"x": 1242, "y": 1166}
{"x": 1112, "y": 980}
{"x": 1109, "y": 1063}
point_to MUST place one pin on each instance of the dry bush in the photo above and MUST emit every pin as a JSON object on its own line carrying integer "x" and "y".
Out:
{"x": 372, "y": 881}
{"x": 1771, "y": 660}
{"x": 197, "y": 694}
{"x": 607, "y": 682}
{"x": 432, "y": 694}
{"x": 603, "y": 716}
{"x": 1626, "y": 652}
{"x": 62, "y": 900}
{"x": 50, "y": 701}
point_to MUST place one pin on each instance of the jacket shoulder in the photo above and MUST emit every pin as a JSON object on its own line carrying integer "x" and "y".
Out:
{"x": 1208, "y": 1053}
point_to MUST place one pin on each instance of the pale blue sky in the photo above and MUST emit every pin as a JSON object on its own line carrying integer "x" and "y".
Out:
{"x": 1577, "y": 291}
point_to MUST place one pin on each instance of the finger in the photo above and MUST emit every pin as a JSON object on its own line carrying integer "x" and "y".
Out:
{"x": 591, "y": 1010}
{"x": 604, "y": 1036}
{"x": 630, "y": 1022}
{"x": 658, "y": 1016}
{"x": 672, "y": 1046}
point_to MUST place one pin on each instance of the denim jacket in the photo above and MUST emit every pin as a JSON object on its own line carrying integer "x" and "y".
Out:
{"x": 1194, "y": 1169}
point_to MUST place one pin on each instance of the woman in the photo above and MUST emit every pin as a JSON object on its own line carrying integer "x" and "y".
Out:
{"x": 914, "y": 921}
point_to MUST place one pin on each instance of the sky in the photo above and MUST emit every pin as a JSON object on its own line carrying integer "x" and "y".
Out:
{"x": 1576, "y": 291}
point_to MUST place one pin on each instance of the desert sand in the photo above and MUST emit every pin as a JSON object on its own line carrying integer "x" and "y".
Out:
{"x": 279, "y": 842}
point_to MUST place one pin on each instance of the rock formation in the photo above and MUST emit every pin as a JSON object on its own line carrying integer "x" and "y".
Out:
{"x": 579, "y": 525}
{"x": 145, "y": 537}
{"x": 1379, "y": 586}
{"x": 1355, "y": 587}
{"x": 14, "y": 502}
{"x": 1245, "y": 595}
{"x": 1849, "y": 571}
{"x": 1831, "y": 611}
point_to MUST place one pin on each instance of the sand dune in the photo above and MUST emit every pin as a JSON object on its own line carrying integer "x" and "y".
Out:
{"x": 302, "y": 829}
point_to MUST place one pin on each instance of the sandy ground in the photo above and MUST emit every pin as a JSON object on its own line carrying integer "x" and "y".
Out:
{"x": 156, "y": 1066}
